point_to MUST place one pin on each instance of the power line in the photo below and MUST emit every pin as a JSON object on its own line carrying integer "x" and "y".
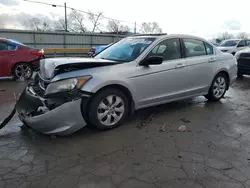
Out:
{"x": 86, "y": 12}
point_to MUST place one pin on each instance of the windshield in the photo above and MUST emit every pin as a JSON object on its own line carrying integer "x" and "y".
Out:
{"x": 126, "y": 50}
{"x": 229, "y": 43}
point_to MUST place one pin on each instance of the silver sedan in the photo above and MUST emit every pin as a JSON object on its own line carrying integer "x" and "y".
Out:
{"x": 134, "y": 73}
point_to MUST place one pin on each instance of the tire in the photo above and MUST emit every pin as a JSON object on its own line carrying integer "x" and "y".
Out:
{"x": 22, "y": 71}
{"x": 239, "y": 75}
{"x": 218, "y": 87}
{"x": 102, "y": 111}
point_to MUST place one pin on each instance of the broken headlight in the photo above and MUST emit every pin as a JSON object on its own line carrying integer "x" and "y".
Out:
{"x": 66, "y": 85}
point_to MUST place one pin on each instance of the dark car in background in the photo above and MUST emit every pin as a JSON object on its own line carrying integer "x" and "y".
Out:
{"x": 17, "y": 59}
{"x": 97, "y": 49}
{"x": 243, "y": 62}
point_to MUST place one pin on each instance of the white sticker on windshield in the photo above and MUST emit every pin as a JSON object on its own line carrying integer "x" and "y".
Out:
{"x": 142, "y": 41}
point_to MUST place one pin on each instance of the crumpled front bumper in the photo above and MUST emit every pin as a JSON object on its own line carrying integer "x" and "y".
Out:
{"x": 62, "y": 120}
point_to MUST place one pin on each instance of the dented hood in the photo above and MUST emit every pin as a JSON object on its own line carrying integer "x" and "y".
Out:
{"x": 53, "y": 66}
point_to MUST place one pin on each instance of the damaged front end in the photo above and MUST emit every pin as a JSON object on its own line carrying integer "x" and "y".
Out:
{"x": 59, "y": 113}
{"x": 54, "y": 102}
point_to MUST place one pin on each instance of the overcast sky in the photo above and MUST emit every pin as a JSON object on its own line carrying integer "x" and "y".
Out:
{"x": 205, "y": 18}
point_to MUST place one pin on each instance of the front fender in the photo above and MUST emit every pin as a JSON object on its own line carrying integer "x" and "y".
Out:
{"x": 95, "y": 84}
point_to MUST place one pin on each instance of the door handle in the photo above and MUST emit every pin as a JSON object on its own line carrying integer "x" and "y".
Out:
{"x": 179, "y": 65}
{"x": 211, "y": 60}
{"x": 11, "y": 54}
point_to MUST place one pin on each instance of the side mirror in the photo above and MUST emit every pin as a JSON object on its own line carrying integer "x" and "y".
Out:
{"x": 152, "y": 60}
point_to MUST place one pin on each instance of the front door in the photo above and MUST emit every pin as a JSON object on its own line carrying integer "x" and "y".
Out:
{"x": 155, "y": 84}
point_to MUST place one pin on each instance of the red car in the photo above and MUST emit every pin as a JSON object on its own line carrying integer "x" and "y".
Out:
{"x": 17, "y": 59}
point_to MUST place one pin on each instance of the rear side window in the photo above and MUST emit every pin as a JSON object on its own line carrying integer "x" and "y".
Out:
{"x": 11, "y": 47}
{"x": 209, "y": 49}
{"x": 5, "y": 46}
{"x": 194, "y": 47}
{"x": 169, "y": 49}
{"x": 248, "y": 42}
{"x": 242, "y": 43}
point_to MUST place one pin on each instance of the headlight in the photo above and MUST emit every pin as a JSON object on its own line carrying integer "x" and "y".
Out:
{"x": 67, "y": 85}
{"x": 237, "y": 55}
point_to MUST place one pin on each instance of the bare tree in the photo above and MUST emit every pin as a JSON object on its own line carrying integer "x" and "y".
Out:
{"x": 77, "y": 20}
{"x": 225, "y": 36}
{"x": 151, "y": 27}
{"x": 60, "y": 24}
{"x": 95, "y": 20}
{"x": 38, "y": 23}
{"x": 115, "y": 26}
{"x": 242, "y": 35}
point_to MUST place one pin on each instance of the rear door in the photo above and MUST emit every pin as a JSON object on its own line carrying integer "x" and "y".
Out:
{"x": 7, "y": 58}
{"x": 201, "y": 65}
{"x": 241, "y": 45}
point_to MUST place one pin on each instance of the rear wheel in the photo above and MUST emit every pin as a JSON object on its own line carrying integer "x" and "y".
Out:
{"x": 239, "y": 75}
{"x": 218, "y": 87}
{"x": 108, "y": 109}
{"x": 22, "y": 71}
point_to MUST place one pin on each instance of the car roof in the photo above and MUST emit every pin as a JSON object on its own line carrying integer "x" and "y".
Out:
{"x": 3, "y": 39}
{"x": 163, "y": 36}
{"x": 232, "y": 39}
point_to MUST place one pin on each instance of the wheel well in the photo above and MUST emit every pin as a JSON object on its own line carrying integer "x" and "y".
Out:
{"x": 227, "y": 76}
{"x": 127, "y": 93}
{"x": 12, "y": 69}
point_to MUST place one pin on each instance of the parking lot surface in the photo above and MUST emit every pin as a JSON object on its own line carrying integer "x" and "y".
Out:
{"x": 148, "y": 151}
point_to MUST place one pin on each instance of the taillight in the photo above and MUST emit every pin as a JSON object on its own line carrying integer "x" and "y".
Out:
{"x": 38, "y": 53}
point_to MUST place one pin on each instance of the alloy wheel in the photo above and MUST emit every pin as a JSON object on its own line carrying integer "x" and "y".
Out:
{"x": 110, "y": 110}
{"x": 23, "y": 71}
{"x": 219, "y": 87}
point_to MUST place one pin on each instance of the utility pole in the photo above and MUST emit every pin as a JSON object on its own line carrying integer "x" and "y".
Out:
{"x": 135, "y": 28}
{"x": 53, "y": 5}
{"x": 65, "y": 14}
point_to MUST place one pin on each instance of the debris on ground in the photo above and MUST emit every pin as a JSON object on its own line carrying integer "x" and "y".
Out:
{"x": 185, "y": 120}
{"x": 53, "y": 137}
{"x": 229, "y": 168}
{"x": 162, "y": 129}
{"x": 182, "y": 128}
{"x": 137, "y": 164}
{"x": 146, "y": 120}
{"x": 179, "y": 156}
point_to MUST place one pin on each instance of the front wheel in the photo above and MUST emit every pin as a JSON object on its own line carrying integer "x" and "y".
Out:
{"x": 108, "y": 109}
{"x": 22, "y": 71}
{"x": 218, "y": 88}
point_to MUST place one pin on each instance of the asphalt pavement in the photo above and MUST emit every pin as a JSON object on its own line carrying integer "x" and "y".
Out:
{"x": 147, "y": 151}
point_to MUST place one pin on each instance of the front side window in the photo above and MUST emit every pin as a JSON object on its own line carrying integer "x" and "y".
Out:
{"x": 228, "y": 43}
{"x": 194, "y": 47}
{"x": 169, "y": 49}
{"x": 126, "y": 50}
{"x": 248, "y": 42}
